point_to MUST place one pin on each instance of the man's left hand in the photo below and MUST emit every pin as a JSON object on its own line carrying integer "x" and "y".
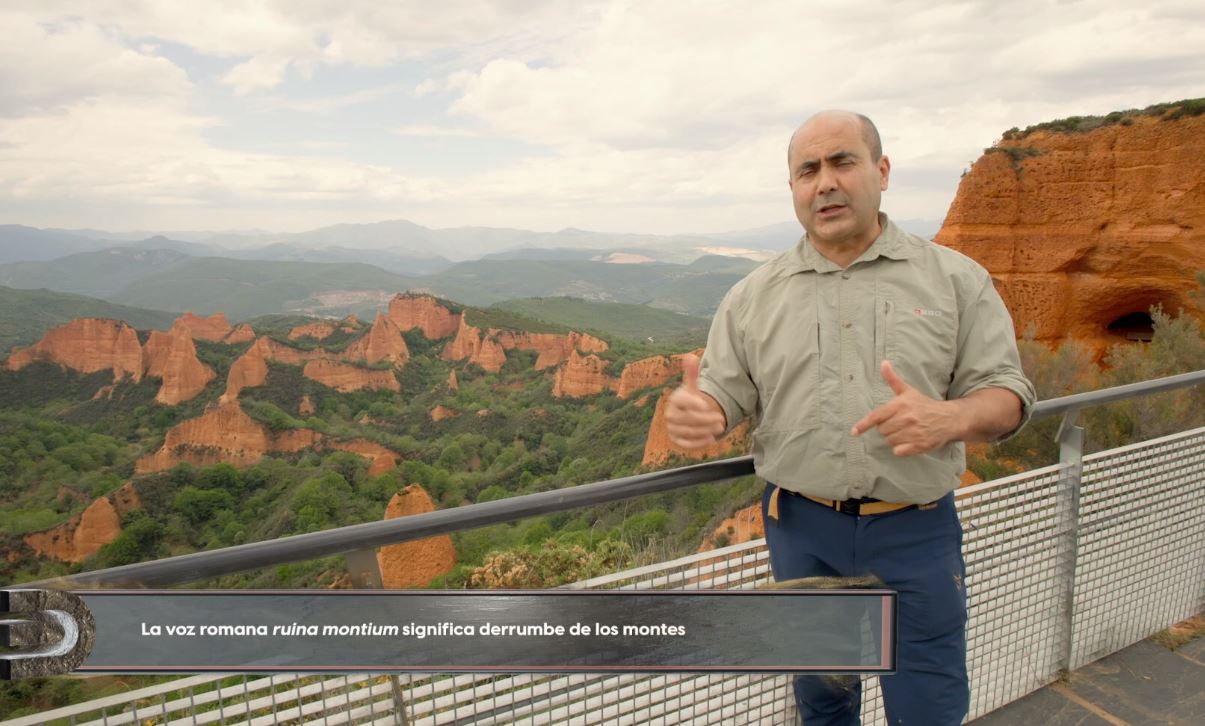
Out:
{"x": 911, "y": 422}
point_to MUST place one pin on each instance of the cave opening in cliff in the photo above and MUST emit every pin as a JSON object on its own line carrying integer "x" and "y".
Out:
{"x": 1134, "y": 326}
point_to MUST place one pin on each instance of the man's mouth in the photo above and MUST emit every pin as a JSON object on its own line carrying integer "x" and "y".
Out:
{"x": 830, "y": 208}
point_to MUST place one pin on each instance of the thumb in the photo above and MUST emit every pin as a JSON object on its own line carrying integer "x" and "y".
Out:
{"x": 690, "y": 372}
{"x": 893, "y": 379}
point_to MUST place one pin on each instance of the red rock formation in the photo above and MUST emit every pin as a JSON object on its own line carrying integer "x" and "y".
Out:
{"x": 648, "y": 372}
{"x": 282, "y": 353}
{"x": 383, "y": 341}
{"x": 552, "y": 348}
{"x": 581, "y": 376}
{"x": 414, "y": 564}
{"x": 214, "y": 328}
{"x": 658, "y": 448}
{"x": 251, "y": 368}
{"x": 249, "y": 371}
{"x": 87, "y": 345}
{"x": 481, "y": 350}
{"x": 439, "y": 413}
{"x": 81, "y": 536}
{"x": 380, "y": 459}
{"x": 346, "y": 377}
{"x": 350, "y": 324}
{"x": 172, "y": 357}
{"x": 240, "y": 334}
{"x": 291, "y": 440}
{"x": 126, "y": 499}
{"x": 423, "y": 312}
{"x": 453, "y": 384}
{"x": 745, "y": 525}
{"x": 306, "y": 407}
{"x": 222, "y": 434}
{"x": 320, "y": 330}
{"x": 1081, "y": 230}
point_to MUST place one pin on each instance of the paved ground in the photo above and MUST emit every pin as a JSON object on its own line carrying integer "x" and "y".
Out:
{"x": 1143, "y": 684}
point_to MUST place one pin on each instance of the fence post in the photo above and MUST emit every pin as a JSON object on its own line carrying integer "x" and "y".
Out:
{"x": 1071, "y": 469}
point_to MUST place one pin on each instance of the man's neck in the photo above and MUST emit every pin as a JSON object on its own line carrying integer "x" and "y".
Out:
{"x": 843, "y": 253}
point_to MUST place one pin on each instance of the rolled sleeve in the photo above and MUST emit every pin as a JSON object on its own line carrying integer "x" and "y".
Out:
{"x": 987, "y": 352}
{"x": 724, "y": 371}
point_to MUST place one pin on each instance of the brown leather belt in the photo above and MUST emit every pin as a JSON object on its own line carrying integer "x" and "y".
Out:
{"x": 852, "y": 507}
{"x": 857, "y": 507}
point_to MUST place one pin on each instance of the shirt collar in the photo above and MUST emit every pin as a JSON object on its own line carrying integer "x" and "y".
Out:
{"x": 891, "y": 243}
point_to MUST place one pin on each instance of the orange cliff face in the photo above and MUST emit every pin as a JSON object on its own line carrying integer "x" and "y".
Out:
{"x": 745, "y": 525}
{"x": 581, "y": 376}
{"x": 214, "y": 328}
{"x": 423, "y": 312}
{"x": 87, "y": 345}
{"x": 320, "y": 330}
{"x": 222, "y": 434}
{"x": 383, "y": 341}
{"x": 381, "y": 460}
{"x": 415, "y": 563}
{"x": 1083, "y": 232}
{"x": 649, "y": 372}
{"x": 225, "y": 434}
{"x": 83, "y": 535}
{"x": 241, "y": 334}
{"x": 251, "y": 368}
{"x": 346, "y": 377}
{"x": 552, "y": 349}
{"x": 469, "y": 343}
{"x": 658, "y": 448}
{"x": 172, "y": 356}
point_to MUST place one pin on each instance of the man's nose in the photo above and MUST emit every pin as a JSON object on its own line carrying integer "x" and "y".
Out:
{"x": 826, "y": 179}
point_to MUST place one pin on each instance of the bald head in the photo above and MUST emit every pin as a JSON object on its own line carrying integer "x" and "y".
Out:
{"x": 870, "y": 134}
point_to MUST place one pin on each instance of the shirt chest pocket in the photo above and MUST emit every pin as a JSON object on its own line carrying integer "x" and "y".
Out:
{"x": 784, "y": 355}
{"x": 920, "y": 340}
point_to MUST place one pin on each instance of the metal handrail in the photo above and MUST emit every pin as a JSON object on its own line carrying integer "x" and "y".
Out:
{"x": 358, "y": 537}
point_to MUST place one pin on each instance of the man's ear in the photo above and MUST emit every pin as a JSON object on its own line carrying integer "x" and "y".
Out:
{"x": 884, "y": 172}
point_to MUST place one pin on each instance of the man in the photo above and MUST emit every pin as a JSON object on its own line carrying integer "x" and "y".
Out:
{"x": 866, "y": 356}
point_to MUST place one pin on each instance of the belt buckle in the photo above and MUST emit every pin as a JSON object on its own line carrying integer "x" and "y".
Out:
{"x": 849, "y": 507}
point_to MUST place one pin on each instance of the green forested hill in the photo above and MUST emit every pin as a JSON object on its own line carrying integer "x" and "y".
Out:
{"x": 247, "y": 288}
{"x": 634, "y": 322}
{"x": 26, "y": 315}
{"x": 95, "y": 274}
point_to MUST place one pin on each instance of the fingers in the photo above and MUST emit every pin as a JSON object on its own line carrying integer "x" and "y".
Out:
{"x": 690, "y": 372}
{"x": 691, "y": 418}
{"x": 892, "y": 378}
{"x": 871, "y": 420}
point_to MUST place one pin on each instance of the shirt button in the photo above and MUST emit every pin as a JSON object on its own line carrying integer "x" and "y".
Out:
{"x": 846, "y": 324}
{"x": 844, "y": 275}
{"x": 850, "y": 377}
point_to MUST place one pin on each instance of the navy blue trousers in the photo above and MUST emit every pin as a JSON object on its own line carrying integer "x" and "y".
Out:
{"x": 916, "y": 552}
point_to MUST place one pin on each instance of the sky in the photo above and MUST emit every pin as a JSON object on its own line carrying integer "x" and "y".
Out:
{"x": 653, "y": 117}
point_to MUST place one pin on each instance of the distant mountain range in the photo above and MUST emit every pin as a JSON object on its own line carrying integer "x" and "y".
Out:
{"x": 345, "y": 269}
{"x": 405, "y": 241}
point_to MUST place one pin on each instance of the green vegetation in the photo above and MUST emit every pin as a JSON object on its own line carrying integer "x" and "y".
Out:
{"x": 1016, "y": 154}
{"x": 1081, "y": 124}
{"x": 615, "y": 320}
{"x": 246, "y": 288}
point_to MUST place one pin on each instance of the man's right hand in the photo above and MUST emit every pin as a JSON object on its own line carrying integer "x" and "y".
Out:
{"x": 693, "y": 419}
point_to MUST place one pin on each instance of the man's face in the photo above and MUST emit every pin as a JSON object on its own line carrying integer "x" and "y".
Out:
{"x": 835, "y": 184}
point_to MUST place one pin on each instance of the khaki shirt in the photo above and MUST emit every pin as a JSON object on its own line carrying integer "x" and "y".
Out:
{"x": 797, "y": 345}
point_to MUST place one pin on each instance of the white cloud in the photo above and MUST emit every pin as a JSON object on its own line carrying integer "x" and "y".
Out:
{"x": 434, "y": 130}
{"x": 667, "y": 116}
{"x": 46, "y": 68}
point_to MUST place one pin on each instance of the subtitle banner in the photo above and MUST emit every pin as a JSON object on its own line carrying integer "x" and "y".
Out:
{"x": 574, "y": 631}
